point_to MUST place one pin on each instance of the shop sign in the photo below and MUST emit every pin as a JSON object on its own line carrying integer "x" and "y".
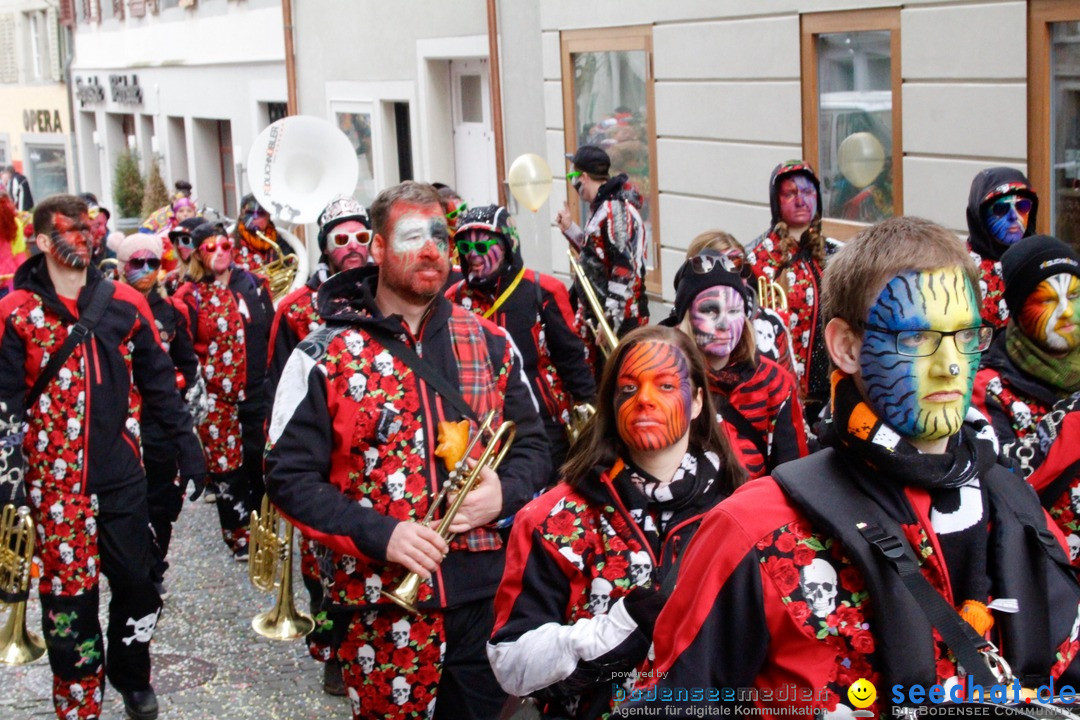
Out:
{"x": 42, "y": 121}
{"x": 89, "y": 91}
{"x": 125, "y": 89}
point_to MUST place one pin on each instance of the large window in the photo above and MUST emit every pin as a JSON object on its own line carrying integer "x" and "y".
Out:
{"x": 1054, "y": 104}
{"x": 851, "y": 115}
{"x": 357, "y": 127}
{"x": 46, "y": 168}
{"x": 608, "y": 101}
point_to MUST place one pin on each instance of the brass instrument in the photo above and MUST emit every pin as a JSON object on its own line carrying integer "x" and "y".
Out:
{"x": 110, "y": 268}
{"x": 406, "y": 592}
{"x": 18, "y": 646}
{"x": 770, "y": 294}
{"x": 602, "y": 332}
{"x": 580, "y": 415}
{"x": 281, "y": 272}
{"x": 266, "y": 549}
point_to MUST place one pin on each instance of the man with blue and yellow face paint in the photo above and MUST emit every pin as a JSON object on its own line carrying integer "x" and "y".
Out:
{"x": 851, "y": 544}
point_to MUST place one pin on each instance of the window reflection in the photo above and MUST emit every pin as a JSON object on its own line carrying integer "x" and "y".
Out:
{"x": 357, "y": 127}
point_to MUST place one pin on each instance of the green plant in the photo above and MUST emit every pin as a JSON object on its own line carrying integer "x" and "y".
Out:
{"x": 128, "y": 185}
{"x": 156, "y": 194}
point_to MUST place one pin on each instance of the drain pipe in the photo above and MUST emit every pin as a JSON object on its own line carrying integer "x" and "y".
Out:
{"x": 496, "y": 99}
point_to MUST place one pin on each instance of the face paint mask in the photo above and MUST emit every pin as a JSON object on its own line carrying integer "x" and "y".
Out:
{"x": 1007, "y": 217}
{"x": 71, "y": 241}
{"x": 798, "y": 200}
{"x": 718, "y": 318}
{"x": 416, "y": 261}
{"x": 141, "y": 271}
{"x": 481, "y": 254}
{"x": 922, "y": 397}
{"x": 216, "y": 254}
{"x": 653, "y": 397}
{"x": 1051, "y": 313}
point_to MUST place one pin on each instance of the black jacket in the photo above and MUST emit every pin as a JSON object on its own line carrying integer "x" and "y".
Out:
{"x": 983, "y": 190}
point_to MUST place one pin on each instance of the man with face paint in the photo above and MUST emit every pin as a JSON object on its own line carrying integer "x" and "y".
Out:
{"x": 250, "y": 251}
{"x": 635, "y": 488}
{"x": 535, "y": 311}
{"x": 1002, "y": 210}
{"x": 229, "y": 312}
{"x": 86, "y": 484}
{"x": 827, "y": 571}
{"x": 352, "y": 463}
{"x": 99, "y": 226}
{"x": 793, "y": 253}
{"x": 1035, "y": 361}
{"x": 756, "y": 400}
{"x": 139, "y": 256}
{"x": 344, "y": 242}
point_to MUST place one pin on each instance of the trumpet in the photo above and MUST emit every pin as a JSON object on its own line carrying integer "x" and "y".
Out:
{"x": 771, "y": 295}
{"x": 281, "y": 272}
{"x": 18, "y": 646}
{"x": 461, "y": 481}
{"x": 602, "y": 332}
{"x": 268, "y": 548}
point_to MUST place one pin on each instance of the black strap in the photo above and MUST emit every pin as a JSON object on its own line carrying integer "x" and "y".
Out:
{"x": 1050, "y": 494}
{"x": 94, "y": 311}
{"x": 425, "y": 370}
{"x": 732, "y": 415}
{"x": 968, "y": 646}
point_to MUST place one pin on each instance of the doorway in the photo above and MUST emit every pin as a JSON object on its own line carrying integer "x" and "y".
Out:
{"x": 474, "y": 140}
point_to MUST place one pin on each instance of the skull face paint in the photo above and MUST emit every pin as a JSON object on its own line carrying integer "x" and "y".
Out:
{"x": 718, "y": 317}
{"x": 71, "y": 241}
{"x": 1051, "y": 312}
{"x": 1007, "y": 217}
{"x": 141, "y": 278}
{"x": 918, "y": 396}
{"x": 416, "y": 261}
{"x": 798, "y": 200}
{"x": 653, "y": 396}
{"x": 482, "y": 266}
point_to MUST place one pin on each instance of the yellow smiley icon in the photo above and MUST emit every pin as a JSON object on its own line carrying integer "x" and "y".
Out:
{"x": 862, "y": 693}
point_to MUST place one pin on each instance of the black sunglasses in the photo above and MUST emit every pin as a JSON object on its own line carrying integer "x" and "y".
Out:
{"x": 704, "y": 263}
{"x": 140, "y": 263}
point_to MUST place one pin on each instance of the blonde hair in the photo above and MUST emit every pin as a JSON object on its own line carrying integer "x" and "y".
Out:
{"x": 713, "y": 240}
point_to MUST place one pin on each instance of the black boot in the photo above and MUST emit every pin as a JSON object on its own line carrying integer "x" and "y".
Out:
{"x": 332, "y": 681}
{"x": 140, "y": 704}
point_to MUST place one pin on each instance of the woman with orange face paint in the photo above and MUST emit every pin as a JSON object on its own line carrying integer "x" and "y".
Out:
{"x": 589, "y": 562}
{"x": 1035, "y": 362}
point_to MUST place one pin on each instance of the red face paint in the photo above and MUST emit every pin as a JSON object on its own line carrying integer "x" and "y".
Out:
{"x": 416, "y": 261}
{"x": 653, "y": 397}
{"x": 353, "y": 254}
{"x": 71, "y": 240}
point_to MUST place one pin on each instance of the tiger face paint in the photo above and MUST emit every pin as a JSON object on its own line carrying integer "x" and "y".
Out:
{"x": 920, "y": 397}
{"x": 1051, "y": 313}
{"x": 653, "y": 396}
{"x": 1007, "y": 217}
{"x": 718, "y": 317}
{"x": 72, "y": 240}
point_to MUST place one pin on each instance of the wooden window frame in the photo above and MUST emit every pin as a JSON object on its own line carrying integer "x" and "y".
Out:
{"x": 635, "y": 37}
{"x": 1040, "y": 116}
{"x": 810, "y": 26}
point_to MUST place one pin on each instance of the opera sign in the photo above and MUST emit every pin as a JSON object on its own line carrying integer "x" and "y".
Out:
{"x": 125, "y": 89}
{"x": 41, "y": 121}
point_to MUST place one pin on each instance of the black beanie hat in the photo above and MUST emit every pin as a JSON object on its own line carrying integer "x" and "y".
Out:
{"x": 1029, "y": 262}
{"x": 207, "y": 230}
{"x": 689, "y": 282}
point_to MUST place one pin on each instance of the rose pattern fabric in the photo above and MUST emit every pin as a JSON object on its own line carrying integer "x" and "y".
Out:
{"x": 992, "y": 287}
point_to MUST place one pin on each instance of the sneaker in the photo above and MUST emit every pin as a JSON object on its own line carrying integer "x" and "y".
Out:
{"x": 332, "y": 681}
{"x": 140, "y": 704}
{"x": 162, "y": 591}
{"x": 241, "y": 554}
{"x": 209, "y": 496}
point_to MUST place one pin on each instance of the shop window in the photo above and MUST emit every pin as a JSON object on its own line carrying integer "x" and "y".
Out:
{"x": 851, "y": 115}
{"x": 46, "y": 168}
{"x": 1054, "y": 112}
{"x": 608, "y": 101}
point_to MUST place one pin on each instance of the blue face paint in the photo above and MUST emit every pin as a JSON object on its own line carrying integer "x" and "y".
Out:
{"x": 920, "y": 397}
{"x": 1007, "y": 217}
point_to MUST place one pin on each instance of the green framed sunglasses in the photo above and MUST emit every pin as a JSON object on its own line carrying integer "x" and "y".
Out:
{"x": 459, "y": 210}
{"x": 481, "y": 247}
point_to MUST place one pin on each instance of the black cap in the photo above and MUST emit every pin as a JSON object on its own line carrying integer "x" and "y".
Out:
{"x": 187, "y": 226}
{"x": 1029, "y": 262}
{"x": 206, "y": 230}
{"x": 692, "y": 278}
{"x": 591, "y": 159}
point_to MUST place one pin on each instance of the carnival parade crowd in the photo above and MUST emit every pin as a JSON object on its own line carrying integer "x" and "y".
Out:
{"x": 832, "y": 462}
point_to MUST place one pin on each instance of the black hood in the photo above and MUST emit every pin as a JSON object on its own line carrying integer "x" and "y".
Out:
{"x": 786, "y": 169}
{"x": 987, "y": 186}
{"x": 33, "y": 276}
{"x": 617, "y": 188}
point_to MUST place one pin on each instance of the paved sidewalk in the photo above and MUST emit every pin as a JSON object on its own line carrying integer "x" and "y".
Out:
{"x": 208, "y": 662}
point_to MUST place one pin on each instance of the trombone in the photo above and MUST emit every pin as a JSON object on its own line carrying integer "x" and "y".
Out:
{"x": 18, "y": 646}
{"x": 268, "y": 548}
{"x": 771, "y": 295}
{"x": 281, "y": 272}
{"x": 602, "y": 332}
{"x": 461, "y": 481}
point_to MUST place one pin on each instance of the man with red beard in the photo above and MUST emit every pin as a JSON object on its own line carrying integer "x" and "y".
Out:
{"x": 344, "y": 240}
{"x": 71, "y": 345}
{"x": 362, "y": 408}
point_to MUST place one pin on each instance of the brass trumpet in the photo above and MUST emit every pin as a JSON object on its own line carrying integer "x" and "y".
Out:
{"x": 770, "y": 294}
{"x": 281, "y": 272}
{"x": 461, "y": 481}
{"x": 602, "y": 332}
{"x": 267, "y": 548}
{"x": 18, "y": 646}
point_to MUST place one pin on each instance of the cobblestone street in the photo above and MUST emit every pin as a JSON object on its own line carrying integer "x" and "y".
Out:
{"x": 208, "y": 662}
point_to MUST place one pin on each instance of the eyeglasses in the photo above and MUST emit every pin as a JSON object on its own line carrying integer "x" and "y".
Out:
{"x": 340, "y": 240}
{"x": 459, "y": 210}
{"x": 575, "y": 179}
{"x": 140, "y": 263}
{"x": 704, "y": 263}
{"x": 215, "y": 245}
{"x": 464, "y": 247}
{"x": 923, "y": 343}
{"x": 1001, "y": 207}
